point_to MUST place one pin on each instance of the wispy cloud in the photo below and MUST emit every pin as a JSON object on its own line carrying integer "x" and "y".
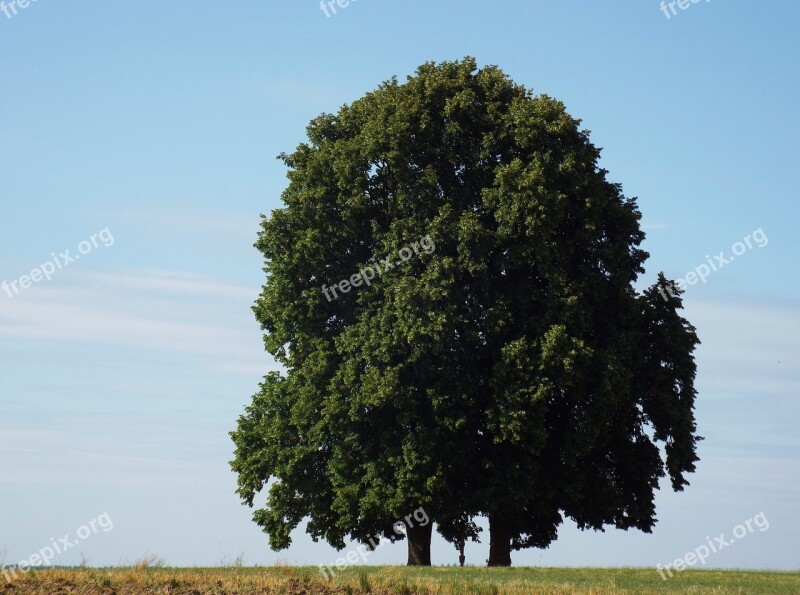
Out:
{"x": 652, "y": 225}
{"x": 748, "y": 347}
{"x": 152, "y": 309}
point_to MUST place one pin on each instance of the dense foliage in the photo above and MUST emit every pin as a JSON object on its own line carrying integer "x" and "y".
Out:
{"x": 511, "y": 371}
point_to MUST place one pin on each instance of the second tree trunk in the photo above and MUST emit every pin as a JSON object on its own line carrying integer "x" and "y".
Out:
{"x": 499, "y": 542}
{"x": 419, "y": 545}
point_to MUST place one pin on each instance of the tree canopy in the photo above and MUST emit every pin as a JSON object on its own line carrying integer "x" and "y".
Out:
{"x": 504, "y": 365}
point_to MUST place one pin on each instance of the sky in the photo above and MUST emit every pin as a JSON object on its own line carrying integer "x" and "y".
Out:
{"x": 138, "y": 146}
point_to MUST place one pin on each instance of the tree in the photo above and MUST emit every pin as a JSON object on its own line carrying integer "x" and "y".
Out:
{"x": 504, "y": 365}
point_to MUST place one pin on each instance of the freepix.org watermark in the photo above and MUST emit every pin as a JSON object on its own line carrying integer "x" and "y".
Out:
{"x": 57, "y": 547}
{"x": 701, "y": 553}
{"x": 669, "y": 10}
{"x": 11, "y": 8}
{"x": 363, "y": 551}
{"x": 367, "y": 274}
{"x": 703, "y": 271}
{"x": 329, "y": 6}
{"x": 46, "y": 270}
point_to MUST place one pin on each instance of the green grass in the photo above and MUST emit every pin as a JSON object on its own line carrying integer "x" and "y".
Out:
{"x": 393, "y": 579}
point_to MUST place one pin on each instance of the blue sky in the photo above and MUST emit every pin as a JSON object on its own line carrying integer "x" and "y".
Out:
{"x": 160, "y": 123}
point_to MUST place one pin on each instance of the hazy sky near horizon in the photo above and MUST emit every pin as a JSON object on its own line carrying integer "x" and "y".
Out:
{"x": 154, "y": 127}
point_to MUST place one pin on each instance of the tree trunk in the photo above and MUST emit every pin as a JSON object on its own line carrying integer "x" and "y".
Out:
{"x": 419, "y": 545}
{"x": 499, "y": 542}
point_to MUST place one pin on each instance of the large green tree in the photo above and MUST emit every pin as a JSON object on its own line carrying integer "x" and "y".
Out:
{"x": 506, "y": 367}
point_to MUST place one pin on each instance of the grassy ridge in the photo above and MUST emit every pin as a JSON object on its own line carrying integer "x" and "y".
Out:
{"x": 392, "y": 579}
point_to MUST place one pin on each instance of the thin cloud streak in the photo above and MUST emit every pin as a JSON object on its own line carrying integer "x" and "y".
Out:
{"x": 158, "y": 310}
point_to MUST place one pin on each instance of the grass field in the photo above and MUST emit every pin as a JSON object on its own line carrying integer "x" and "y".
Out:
{"x": 391, "y": 579}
